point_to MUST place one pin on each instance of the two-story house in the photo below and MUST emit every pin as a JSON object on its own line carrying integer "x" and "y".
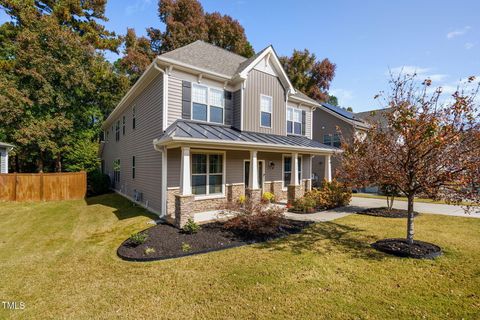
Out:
{"x": 204, "y": 125}
{"x": 331, "y": 125}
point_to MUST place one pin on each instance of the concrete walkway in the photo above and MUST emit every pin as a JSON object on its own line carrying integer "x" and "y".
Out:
{"x": 358, "y": 204}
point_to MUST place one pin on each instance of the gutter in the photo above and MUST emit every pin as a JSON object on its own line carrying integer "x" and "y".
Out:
{"x": 246, "y": 145}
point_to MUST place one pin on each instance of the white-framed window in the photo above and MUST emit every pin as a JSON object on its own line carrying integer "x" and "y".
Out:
{"x": 208, "y": 173}
{"x": 287, "y": 170}
{"x": 294, "y": 121}
{"x": 327, "y": 139}
{"x": 265, "y": 111}
{"x": 116, "y": 171}
{"x": 208, "y": 104}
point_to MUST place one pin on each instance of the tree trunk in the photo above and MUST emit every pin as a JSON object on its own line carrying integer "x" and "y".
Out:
{"x": 40, "y": 162}
{"x": 410, "y": 230}
{"x": 58, "y": 163}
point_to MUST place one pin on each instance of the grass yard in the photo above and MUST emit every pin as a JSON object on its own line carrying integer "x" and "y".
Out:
{"x": 60, "y": 260}
{"x": 377, "y": 196}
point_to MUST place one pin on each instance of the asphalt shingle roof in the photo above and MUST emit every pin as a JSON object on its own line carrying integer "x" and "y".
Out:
{"x": 207, "y": 56}
{"x": 375, "y": 116}
{"x": 202, "y": 130}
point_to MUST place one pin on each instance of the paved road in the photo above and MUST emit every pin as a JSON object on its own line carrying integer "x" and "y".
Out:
{"x": 358, "y": 204}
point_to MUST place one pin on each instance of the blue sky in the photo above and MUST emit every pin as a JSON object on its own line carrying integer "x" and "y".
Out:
{"x": 438, "y": 39}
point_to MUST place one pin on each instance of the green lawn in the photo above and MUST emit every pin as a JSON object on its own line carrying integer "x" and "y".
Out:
{"x": 377, "y": 196}
{"x": 59, "y": 258}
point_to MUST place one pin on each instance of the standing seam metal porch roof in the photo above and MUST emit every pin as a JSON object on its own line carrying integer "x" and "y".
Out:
{"x": 210, "y": 131}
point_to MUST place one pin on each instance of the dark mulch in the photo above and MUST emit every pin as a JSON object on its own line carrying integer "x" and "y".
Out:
{"x": 385, "y": 213}
{"x": 167, "y": 240}
{"x": 400, "y": 248}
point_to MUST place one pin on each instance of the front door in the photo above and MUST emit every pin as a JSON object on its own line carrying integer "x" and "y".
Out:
{"x": 261, "y": 173}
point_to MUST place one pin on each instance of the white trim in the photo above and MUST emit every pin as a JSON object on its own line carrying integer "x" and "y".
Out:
{"x": 186, "y": 172}
{"x": 271, "y": 111}
{"x": 253, "y": 171}
{"x": 206, "y": 143}
{"x": 164, "y": 181}
{"x": 242, "y": 88}
{"x": 311, "y": 124}
{"x": 263, "y": 174}
{"x": 328, "y": 168}
{"x": 316, "y": 104}
{"x": 271, "y": 52}
{"x": 165, "y": 101}
{"x": 208, "y": 103}
{"x": 289, "y": 155}
{"x": 295, "y": 109}
{"x": 224, "y": 165}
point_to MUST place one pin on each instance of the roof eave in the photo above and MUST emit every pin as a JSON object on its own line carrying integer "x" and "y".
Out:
{"x": 190, "y": 67}
{"x": 167, "y": 141}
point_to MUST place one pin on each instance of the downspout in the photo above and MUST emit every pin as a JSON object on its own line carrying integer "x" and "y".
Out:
{"x": 165, "y": 96}
{"x": 163, "y": 151}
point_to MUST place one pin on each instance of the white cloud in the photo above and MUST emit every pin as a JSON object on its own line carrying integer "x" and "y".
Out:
{"x": 344, "y": 96}
{"x": 458, "y": 32}
{"x": 469, "y": 45}
{"x": 419, "y": 71}
{"x": 137, "y": 6}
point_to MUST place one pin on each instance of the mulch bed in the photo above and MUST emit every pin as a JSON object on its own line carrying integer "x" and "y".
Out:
{"x": 400, "y": 247}
{"x": 168, "y": 240}
{"x": 385, "y": 213}
{"x": 303, "y": 212}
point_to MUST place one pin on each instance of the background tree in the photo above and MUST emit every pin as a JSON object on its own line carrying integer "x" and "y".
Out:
{"x": 429, "y": 147}
{"x": 332, "y": 100}
{"x": 55, "y": 85}
{"x": 310, "y": 76}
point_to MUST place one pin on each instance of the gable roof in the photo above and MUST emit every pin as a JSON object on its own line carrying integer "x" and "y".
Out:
{"x": 302, "y": 96}
{"x": 206, "y": 56}
{"x": 375, "y": 116}
{"x": 8, "y": 146}
{"x": 210, "y": 133}
{"x": 341, "y": 113}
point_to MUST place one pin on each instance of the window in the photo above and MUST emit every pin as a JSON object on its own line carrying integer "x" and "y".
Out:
{"x": 123, "y": 125}
{"x": 133, "y": 167}
{"x": 294, "y": 121}
{"x": 337, "y": 140}
{"x": 117, "y": 131}
{"x": 207, "y": 174}
{"x": 327, "y": 139}
{"x": 116, "y": 171}
{"x": 287, "y": 170}
{"x": 265, "y": 111}
{"x": 133, "y": 118}
{"x": 207, "y": 104}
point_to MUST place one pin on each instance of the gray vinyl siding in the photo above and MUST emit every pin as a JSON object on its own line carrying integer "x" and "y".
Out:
{"x": 262, "y": 83}
{"x": 3, "y": 161}
{"x": 174, "y": 99}
{"x": 138, "y": 142}
{"x": 237, "y": 109}
{"x": 173, "y": 167}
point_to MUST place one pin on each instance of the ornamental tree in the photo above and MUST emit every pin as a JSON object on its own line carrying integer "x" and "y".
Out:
{"x": 429, "y": 147}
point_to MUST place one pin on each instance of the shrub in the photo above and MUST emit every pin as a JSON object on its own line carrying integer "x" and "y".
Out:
{"x": 254, "y": 219}
{"x": 149, "y": 250}
{"x": 330, "y": 195}
{"x": 191, "y": 227}
{"x": 242, "y": 199}
{"x": 139, "y": 238}
{"x": 305, "y": 204}
{"x": 186, "y": 247}
{"x": 97, "y": 183}
{"x": 268, "y": 197}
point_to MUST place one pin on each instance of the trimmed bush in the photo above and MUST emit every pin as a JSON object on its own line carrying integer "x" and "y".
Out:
{"x": 306, "y": 204}
{"x": 138, "y": 238}
{"x": 330, "y": 195}
{"x": 268, "y": 197}
{"x": 191, "y": 227}
{"x": 97, "y": 183}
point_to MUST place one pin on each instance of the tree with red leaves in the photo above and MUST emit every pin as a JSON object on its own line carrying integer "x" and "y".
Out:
{"x": 430, "y": 147}
{"x": 310, "y": 76}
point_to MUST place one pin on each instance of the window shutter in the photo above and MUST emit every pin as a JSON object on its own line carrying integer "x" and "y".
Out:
{"x": 186, "y": 99}
{"x": 304, "y": 121}
{"x": 228, "y": 108}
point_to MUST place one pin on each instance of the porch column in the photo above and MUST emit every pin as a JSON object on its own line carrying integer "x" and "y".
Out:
{"x": 294, "y": 177}
{"x": 253, "y": 177}
{"x": 328, "y": 168}
{"x": 185, "y": 182}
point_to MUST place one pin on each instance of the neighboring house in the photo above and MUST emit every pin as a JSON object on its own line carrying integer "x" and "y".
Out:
{"x": 204, "y": 125}
{"x": 4, "y": 150}
{"x": 375, "y": 116}
{"x": 330, "y": 124}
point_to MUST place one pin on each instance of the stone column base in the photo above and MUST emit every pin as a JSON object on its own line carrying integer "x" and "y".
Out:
{"x": 255, "y": 195}
{"x": 183, "y": 209}
{"x": 294, "y": 192}
{"x": 308, "y": 185}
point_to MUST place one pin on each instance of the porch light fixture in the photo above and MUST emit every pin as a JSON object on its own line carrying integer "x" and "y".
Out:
{"x": 271, "y": 165}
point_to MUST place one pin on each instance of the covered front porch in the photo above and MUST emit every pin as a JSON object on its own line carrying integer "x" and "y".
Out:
{"x": 201, "y": 175}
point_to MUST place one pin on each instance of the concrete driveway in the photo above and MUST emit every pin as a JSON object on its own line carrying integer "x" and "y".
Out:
{"x": 358, "y": 204}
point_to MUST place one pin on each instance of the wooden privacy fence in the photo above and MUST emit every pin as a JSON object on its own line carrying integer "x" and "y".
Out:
{"x": 43, "y": 186}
